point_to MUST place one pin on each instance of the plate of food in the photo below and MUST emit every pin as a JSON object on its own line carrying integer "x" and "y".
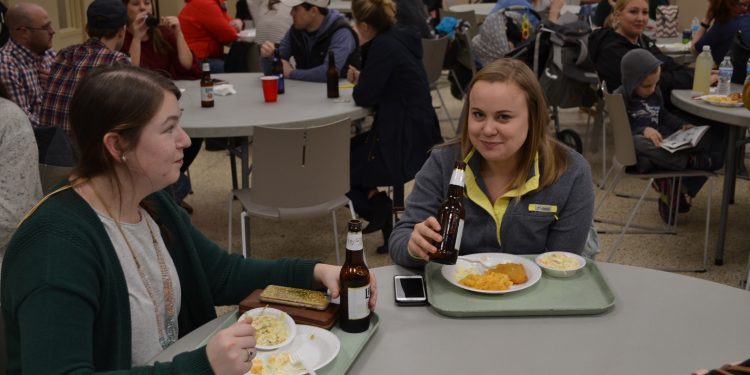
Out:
{"x": 492, "y": 273}
{"x": 673, "y": 47}
{"x": 314, "y": 346}
{"x": 732, "y": 100}
{"x": 273, "y": 327}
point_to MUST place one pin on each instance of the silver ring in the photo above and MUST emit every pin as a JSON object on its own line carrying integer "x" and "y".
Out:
{"x": 250, "y": 354}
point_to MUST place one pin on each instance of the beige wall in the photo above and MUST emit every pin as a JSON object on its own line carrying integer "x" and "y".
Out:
{"x": 173, "y": 7}
{"x": 690, "y": 9}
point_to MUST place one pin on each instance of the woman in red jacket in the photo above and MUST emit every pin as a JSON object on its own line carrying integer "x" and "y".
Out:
{"x": 208, "y": 28}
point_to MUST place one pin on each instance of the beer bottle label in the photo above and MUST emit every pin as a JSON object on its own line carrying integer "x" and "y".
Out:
{"x": 359, "y": 300}
{"x": 354, "y": 241}
{"x": 457, "y": 177}
{"x": 459, "y": 233}
{"x": 207, "y": 94}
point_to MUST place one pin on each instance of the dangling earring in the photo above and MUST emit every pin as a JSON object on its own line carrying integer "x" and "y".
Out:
{"x": 123, "y": 158}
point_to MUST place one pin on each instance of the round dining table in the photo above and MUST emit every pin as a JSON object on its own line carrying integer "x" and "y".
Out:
{"x": 737, "y": 119}
{"x": 661, "y": 323}
{"x": 302, "y": 104}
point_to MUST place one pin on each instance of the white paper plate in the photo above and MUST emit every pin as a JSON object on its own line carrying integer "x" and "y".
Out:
{"x": 533, "y": 272}
{"x": 316, "y": 347}
{"x": 288, "y": 321}
{"x": 673, "y": 47}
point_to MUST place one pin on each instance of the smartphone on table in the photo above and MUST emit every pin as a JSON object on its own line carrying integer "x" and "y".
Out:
{"x": 409, "y": 290}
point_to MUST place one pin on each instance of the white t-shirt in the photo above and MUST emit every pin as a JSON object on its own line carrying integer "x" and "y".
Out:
{"x": 144, "y": 327}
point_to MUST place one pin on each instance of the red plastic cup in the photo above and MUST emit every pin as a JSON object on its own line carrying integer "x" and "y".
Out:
{"x": 270, "y": 88}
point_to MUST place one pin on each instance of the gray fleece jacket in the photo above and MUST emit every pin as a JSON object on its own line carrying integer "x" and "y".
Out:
{"x": 557, "y": 217}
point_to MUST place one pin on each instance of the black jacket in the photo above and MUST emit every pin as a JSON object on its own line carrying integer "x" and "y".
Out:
{"x": 607, "y": 47}
{"x": 393, "y": 82}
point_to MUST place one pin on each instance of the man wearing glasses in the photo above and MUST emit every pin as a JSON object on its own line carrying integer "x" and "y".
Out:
{"x": 25, "y": 60}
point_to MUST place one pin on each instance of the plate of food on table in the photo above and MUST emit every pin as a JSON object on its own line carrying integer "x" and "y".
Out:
{"x": 492, "y": 273}
{"x": 732, "y": 100}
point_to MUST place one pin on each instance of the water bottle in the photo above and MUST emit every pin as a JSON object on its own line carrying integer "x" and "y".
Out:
{"x": 703, "y": 65}
{"x": 695, "y": 25}
{"x": 725, "y": 77}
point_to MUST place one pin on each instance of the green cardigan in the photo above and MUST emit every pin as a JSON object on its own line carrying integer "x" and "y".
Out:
{"x": 65, "y": 299}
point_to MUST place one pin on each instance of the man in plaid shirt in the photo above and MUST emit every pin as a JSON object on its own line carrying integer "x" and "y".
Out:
{"x": 107, "y": 22}
{"x": 25, "y": 60}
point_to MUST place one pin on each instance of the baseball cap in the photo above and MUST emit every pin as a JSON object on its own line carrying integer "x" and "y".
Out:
{"x": 317, "y": 3}
{"x": 107, "y": 14}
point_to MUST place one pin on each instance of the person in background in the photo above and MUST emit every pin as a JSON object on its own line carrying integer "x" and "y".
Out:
{"x": 604, "y": 9}
{"x": 651, "y": 122}
{"x": 549, "y": 9}
{"x": 609, "y": 44}
{"x": 20, "y": 187}
{"x": 126, "y": 270}
{"x": 26, "y": 59}
{"x": 162, "y": 47}
{"x": 412, "y": 13}
{"x": 315, "y": 31}
{"x": 272, "y": 20}
{"x": 735, "y": 368}
{"x": 392, "y": 82}
{"x": 526, "y": 193}
{"x": 207, "y": 28}
{"x": 106, "y": 26}
{"x": 718, "y": 27}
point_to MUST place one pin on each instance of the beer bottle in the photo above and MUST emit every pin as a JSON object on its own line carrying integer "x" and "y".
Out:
{"x": 451, "y": 219}
{"x": 277, "y": 68}
{"x": 332, "y": 77}
{"x": 354, "y": 312}
{"x": 207, "y": 87}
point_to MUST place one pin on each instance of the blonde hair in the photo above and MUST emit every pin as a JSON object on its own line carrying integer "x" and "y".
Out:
{"x": 618, "y": 8}
{"x": 552, "y": 155}
{"x": 379, "y": 14}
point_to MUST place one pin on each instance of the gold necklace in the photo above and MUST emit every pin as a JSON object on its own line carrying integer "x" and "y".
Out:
{"x": 167, "y": 332}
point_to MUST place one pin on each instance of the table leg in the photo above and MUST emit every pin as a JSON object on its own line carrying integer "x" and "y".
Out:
{"x": 729, "y": 180}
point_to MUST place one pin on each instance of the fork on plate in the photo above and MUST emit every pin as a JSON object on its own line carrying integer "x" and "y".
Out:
{"x": 296, "y": 359}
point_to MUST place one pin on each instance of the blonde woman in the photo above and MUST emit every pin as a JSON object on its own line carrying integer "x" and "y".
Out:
{"x": 609, "y": 44}
{"x": 526, "y": 193}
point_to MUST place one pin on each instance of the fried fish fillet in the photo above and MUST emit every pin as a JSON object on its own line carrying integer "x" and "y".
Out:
{"x": 515, "y": 272}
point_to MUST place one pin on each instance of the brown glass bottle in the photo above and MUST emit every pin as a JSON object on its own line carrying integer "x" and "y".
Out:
{"x": 451, "y": 219}
{"x": 277, "y": 68}
{"x": 332, "y": 77}
{"x": 354, "y": 313}
{"x": 207, "y": 87}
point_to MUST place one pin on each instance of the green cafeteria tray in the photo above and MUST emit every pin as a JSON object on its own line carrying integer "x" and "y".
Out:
{"x": 585, "y": 293}
{"x": 351, "y": 343}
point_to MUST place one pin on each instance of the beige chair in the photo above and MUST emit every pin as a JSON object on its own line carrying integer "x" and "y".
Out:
{"x": 298, "y": 173}
{"x": 624, "y": 157}
{"x": 433, "y": 54}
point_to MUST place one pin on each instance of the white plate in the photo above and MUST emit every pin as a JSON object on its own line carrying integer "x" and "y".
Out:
{"x": 673, "y": 47}
{"x": 707, "y": 99}
{"x": 288, "y": 321}
{"x": 316, "y": 347}
{"x": 533, "y": 272}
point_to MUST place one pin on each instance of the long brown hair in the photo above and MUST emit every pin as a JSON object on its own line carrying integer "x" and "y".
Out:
{"x": 721, "y": 11}
{"x": 156, "y": 36}
{"x": 552, "y": 155}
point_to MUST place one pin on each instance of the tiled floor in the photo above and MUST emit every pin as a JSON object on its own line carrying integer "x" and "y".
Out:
{"x": 313, "y": 238}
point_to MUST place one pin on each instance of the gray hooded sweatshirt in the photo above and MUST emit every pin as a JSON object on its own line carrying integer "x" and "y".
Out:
{"x": 635, "y": 66}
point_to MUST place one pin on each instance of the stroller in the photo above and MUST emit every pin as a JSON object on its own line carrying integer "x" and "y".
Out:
{"x": 558, "y": 54}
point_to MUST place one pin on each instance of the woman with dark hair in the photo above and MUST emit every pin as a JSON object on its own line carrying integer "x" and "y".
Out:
{"x": 20, "y": 187}
{"x": 160, "y": 45}
{"x": 272, "y": 19}
{"x": 106, "y": 272}
{"x": 392, "y": 82}
{"x": 718, "y": 27}
{"x": 525, "y": 192}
